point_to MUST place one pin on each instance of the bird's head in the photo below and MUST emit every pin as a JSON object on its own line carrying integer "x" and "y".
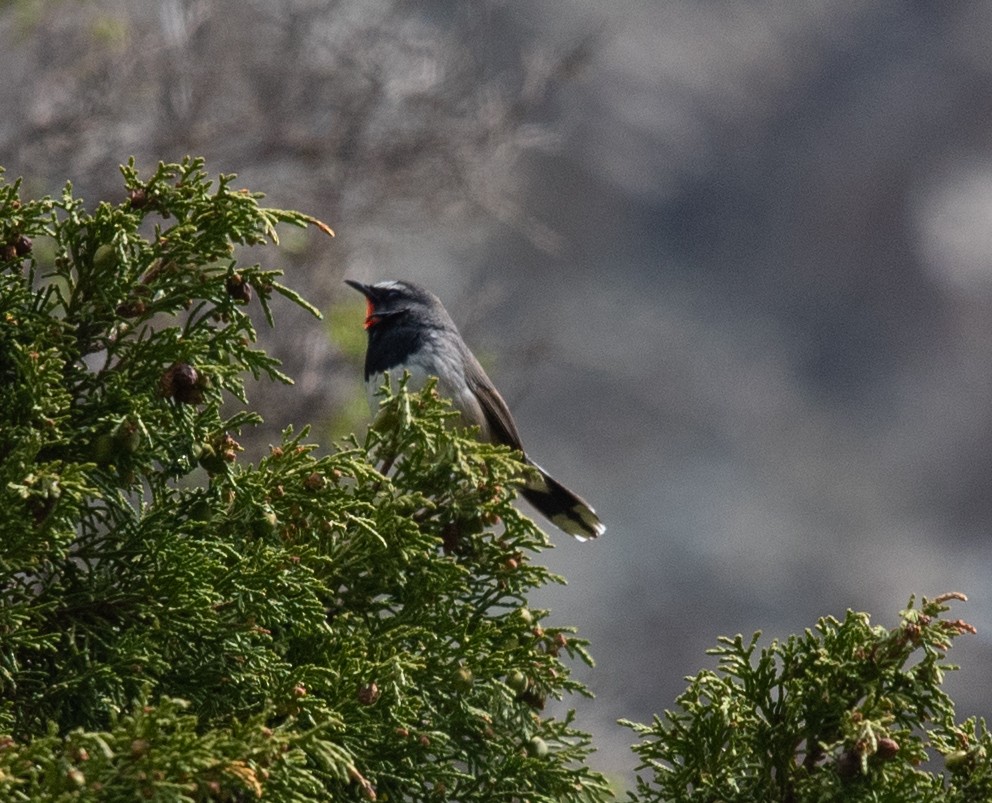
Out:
{"x": 393, "y": 302}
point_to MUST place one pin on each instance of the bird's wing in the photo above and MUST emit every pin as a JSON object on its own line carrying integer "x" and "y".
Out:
{"x": 501, "y": 426}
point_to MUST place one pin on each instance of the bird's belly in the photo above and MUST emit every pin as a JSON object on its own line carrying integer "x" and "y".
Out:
{"x": 418, "y": 378}
{"x": 461, "y": 397}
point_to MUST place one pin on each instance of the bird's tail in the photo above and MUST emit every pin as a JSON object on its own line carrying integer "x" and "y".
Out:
{"x": 568, "y": 511}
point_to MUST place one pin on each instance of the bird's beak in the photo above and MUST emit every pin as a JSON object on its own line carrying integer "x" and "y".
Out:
{"x": 371, "y": 299}
{"x": 365, "y": 289}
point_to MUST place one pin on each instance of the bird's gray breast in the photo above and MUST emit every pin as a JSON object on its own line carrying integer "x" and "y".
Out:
{"x": 434, "y": 360}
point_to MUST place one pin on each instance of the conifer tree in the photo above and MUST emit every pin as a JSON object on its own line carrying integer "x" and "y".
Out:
{"x": 179, "y": 625}
{"x": 847, "y": 711}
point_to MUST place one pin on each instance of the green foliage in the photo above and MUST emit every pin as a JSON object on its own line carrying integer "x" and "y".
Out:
{"x": 175, "y": 625}
{"x": 847, "y": 711}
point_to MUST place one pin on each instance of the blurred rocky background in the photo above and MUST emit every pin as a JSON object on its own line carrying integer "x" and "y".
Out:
{"x": 731, "y": 265}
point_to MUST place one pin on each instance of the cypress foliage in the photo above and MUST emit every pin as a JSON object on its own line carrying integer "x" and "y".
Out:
{"x": 179, "y": 625}
{"x": 847, "y": 711}
{"x": 176, "y": 625}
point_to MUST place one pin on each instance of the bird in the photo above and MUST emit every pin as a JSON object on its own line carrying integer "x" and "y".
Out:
{"x": 409, "y": 330}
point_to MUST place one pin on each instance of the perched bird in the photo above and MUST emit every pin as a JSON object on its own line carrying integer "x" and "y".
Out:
{"x": 410, "y": 330}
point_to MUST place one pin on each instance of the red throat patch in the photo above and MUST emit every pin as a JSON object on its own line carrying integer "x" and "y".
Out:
{"x": 371, "y": 319}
